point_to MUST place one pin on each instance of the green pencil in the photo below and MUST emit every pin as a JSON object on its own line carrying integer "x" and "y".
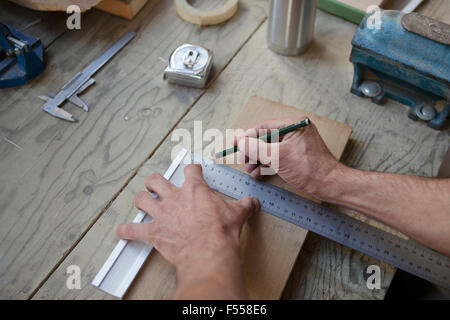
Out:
{"x": 267, "y": 137}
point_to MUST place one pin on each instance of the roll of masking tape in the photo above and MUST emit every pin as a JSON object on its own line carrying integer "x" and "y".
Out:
{"x": 206, "y": 17}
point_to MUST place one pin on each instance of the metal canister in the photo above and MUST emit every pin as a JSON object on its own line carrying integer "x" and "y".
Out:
{"x": 291, "y": 26}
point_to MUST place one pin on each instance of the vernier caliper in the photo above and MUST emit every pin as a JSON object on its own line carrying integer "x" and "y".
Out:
{"x": 80, "y": 82}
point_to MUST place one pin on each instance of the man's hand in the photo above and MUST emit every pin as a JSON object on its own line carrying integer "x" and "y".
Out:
{"x": 416, "y": 206}
{"x": 196, "y": 230}
{"x": 304, "y": 160}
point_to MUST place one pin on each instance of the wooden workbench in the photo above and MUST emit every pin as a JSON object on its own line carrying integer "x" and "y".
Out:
{"x": 65, "y": 186}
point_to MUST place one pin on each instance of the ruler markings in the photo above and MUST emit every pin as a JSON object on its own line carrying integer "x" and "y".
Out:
{"x": 404, "y": 254}
{"x": 127, "y": 258}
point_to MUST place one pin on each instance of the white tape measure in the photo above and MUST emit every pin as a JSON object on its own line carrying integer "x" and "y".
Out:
{"x": 403, "y": 254}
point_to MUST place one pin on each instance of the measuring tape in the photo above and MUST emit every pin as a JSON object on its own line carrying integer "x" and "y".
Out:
{"x": 403, "y": 254}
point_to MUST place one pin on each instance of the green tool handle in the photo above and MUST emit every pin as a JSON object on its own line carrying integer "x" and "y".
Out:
{"x": 267, "y": 137}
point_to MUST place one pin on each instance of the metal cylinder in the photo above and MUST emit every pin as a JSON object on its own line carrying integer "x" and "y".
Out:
{"x": 291, "y": 26}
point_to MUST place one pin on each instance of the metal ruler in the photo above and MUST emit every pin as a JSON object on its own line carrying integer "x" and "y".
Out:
{"x": 403, "y": 254}
{"x": 127, "y": 258}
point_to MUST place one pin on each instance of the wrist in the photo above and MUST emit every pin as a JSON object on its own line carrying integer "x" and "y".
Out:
{"x": 211, "y": 274}
{"x": 335, "y": 185}
{"x": 206, "y": 254}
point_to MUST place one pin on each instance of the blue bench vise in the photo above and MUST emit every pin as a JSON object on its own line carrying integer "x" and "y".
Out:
{"x": 405, "y": 57}
{"x": 21, "y": 57}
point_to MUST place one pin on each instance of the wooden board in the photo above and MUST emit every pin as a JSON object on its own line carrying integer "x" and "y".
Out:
{"x": 269, "y": 245}
{"x": 123, "y": 8}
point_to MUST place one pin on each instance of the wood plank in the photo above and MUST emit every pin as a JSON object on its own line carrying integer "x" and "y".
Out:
{"x": 384, "y": 139}
{"x": 65, "y": 174}
{"x": 269, "y": 245}
{"x": 123, "y": 8}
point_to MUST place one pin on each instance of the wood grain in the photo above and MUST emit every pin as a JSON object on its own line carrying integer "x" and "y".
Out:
{"x": 384, "y": 139}
{"x": 437, "y": 9}
{"x": 64, "y": 174}
{"x": 47, "y": 26}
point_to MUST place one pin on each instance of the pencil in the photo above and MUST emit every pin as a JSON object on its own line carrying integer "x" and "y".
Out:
{"x": 267, "y": 137}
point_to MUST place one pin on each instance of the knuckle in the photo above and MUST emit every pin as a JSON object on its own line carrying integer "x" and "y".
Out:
{"x": 196, "y": 185}
{"x": 219, "y": 229}
{"x": 152, "y": 231}
{"x": 140, "y": 198}
{"x": 127, "y": 230}
{"x": 153, "y": 177}
{"x": 149, "y": 232}
{"x": 249, "y": 202}
{"x": 157, "y": 244}
{"x": 190, "y": 186}
{"x": 193, "y": 167}
{"x": 222, "y": 233}
{"x": 193, "y": 183}
{"x": 247, "y": 206}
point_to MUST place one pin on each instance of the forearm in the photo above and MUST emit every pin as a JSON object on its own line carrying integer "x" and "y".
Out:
{"x": 418, "y": 207}
{"x": 219, "y": 277}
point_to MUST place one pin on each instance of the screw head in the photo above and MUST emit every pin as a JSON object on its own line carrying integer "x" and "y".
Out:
{"x": 371, "y": 88}
{"x": 426, "y": 113}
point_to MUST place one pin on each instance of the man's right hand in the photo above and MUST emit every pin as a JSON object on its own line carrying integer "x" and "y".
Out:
{"x": 416, "y": 206}
{"x": 304, "y": 160}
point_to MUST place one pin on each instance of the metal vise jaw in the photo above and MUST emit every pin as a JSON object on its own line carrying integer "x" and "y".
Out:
{"x": 21, "y": 57}
{"x": 405, "y": 57}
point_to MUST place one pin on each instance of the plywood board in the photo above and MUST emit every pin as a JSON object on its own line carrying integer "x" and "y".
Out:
{"x": 269, "y": 245}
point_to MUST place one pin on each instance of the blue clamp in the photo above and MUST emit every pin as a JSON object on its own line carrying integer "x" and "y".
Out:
{"x": 21, "y": 57}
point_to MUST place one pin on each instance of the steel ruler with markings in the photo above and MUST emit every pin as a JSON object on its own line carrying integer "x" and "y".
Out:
{"x": 127, "y": 258}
